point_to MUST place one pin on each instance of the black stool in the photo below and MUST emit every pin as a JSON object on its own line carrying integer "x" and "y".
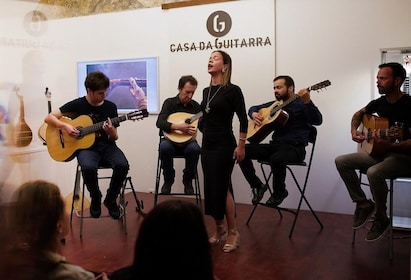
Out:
{"x": 197, "y": 193}
{"x": 390, "y": 212}
{"x": 127, "y": 185}
{"x": 301, "y": 187}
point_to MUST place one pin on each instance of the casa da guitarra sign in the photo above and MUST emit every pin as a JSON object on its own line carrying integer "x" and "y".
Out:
{"x": 219, "y": 24}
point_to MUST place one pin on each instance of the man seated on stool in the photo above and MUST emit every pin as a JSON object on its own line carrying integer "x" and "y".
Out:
{"x": 288, "y": 141}
{"x": 388, "y": 155}
{"x": 179, "y": 130}
{"x": 104, "y": 148}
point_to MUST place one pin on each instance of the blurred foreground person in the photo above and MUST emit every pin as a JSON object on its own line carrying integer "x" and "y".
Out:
{"x": 35, "y": 225}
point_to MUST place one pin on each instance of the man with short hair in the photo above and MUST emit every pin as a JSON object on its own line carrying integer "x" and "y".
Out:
{"x": 104, "y": 148}
{"x": 287, "y": 143}
{"x": 178, "y": 135}
{"x": 393, "y": 158}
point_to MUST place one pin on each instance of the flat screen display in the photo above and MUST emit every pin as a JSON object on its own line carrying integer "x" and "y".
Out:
{"x": 133, "y": 82}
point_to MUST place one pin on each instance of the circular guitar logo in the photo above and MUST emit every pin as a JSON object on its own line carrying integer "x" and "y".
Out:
{"x": 219, "y": 23}
{"x": 35, "y": 23}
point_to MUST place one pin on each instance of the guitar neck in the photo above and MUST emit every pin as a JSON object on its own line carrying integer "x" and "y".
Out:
{"x": 98, "y": 126}
{"x": 275, "y": 109}
{"x": 194, "y": 118}
{"x": 317, "y": 87}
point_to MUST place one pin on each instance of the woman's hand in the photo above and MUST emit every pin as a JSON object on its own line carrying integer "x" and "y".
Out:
{"x": 239, "y": 154}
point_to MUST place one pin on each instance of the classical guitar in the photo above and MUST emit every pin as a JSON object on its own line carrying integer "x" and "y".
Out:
{"x": 63, "y": 147}
{"x": 22, "y": 132}
{"x": 274, "y": 116}
{"x": 370, "y": 124}
{"x": 177, "y": 136}
{"x": 43, "y": 128}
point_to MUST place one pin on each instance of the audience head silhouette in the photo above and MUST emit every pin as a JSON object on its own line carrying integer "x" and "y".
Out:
{"x": 173, "y": 243}
{"x": 36, "y": 223}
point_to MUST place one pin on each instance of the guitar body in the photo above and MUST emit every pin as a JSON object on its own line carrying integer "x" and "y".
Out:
{"x": 256, "y": 134}
{"x": 61, "y": 146}
{"x": 23, "y": 134}
{"x": 179, "y": 137}
{"x": 41, "y": 133}
{"x": 274, "y": 116}
{"x": 370, "y": 123}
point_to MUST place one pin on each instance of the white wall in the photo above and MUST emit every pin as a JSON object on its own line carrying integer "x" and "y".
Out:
{"x": 315, "y": 40}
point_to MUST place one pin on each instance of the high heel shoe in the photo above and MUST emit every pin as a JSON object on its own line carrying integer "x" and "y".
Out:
{"x": 233, "y": 241}
{"x": 219, "y": 235}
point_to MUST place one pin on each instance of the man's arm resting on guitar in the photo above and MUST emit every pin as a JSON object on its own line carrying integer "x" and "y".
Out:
{"x": 254, "y": 114}
{"x": 257, "y": 118}
{"x": 256, "y": 108}
{"x": 54, "y": 119}
{"x": 356, "y": 121}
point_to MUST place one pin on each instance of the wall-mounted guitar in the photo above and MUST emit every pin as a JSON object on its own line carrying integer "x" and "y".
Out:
{"x": 22, "y": 134}
{"x": 43, "y": 128}
{"x": 274, "y": 116}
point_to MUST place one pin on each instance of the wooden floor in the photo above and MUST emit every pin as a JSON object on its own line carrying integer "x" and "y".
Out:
{"x": 266, "y": 251}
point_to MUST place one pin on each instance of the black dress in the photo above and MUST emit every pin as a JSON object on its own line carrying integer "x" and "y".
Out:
{"x": 219, "y": 105}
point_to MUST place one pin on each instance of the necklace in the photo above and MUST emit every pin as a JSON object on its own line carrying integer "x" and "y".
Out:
{"x": 207, "y": 109}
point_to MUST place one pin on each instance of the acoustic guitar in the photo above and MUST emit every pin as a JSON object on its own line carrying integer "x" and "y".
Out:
{"x": 22, "y": 133}
{"x": 63, "y": 147}
{"x": 370, "y": 124}
{"x": 43, "y": 128}
{"x": 178, "y": 137}
{"x": 274, "y": 116}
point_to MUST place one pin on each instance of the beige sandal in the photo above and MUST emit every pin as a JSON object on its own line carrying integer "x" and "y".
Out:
{"x": 233, "y": 241}
{"x": 219, "y": 235}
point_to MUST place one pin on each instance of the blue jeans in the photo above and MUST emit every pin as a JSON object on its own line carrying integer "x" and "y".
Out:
{"x": 378, "y": 170}
{"x": 190, "y": 152}
{"x": 92, "y": 158}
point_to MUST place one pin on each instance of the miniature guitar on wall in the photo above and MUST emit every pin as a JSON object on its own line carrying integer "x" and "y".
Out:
{"x": 62, "y": 147}
{"x": 22, "y": 133}
{"x": 274, "y": 116}
{"x": 43, "y": 128}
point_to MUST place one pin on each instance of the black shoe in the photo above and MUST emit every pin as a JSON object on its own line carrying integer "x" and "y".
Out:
{"x": 276, "y": 199}
{"x": 362, "y": 215}
{"x": 188, "y": 186}
{"x": 378, "y": 229}
{"x": 95, "y": 207}
{"x": 166, "y": 188}
{"x": 258, "y": 193}
{"x": 113, "y": 209}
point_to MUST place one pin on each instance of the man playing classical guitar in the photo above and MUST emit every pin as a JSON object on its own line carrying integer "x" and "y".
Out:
{"x": 172, "y": 130}
{"x": 288, "y": 141}
{"x": 104, "y": 148}
{"x": 393, "y": 160}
